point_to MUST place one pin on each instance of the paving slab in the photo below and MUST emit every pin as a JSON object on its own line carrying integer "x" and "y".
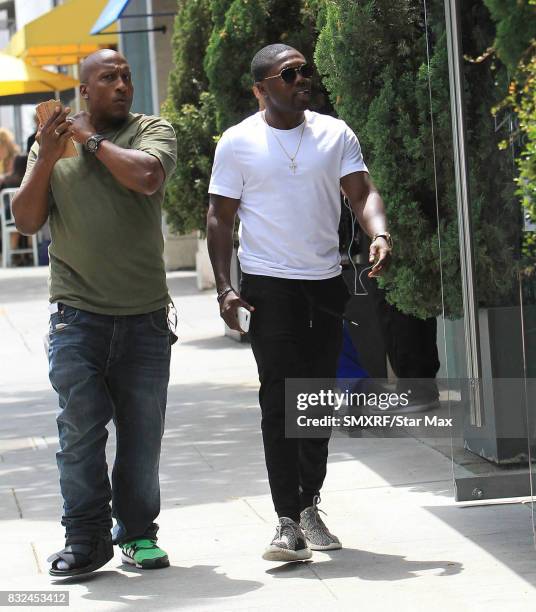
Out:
{"x": 407, "y": 545}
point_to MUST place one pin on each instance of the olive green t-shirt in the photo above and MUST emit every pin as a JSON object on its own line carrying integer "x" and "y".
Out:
{"x": 106, "y": 251}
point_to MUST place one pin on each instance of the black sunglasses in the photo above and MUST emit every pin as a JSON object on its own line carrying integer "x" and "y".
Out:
{"x": 289, "y": 75}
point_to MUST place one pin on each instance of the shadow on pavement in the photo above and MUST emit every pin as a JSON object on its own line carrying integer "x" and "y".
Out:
{"x": 365, "y": 565}
{"x": 212, "y": 452}
{"x": 216, "y": 342}
{"x": 173, "y": 587}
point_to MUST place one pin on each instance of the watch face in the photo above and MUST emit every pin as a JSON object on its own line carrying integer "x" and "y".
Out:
{"x": 92, "y": 145}
{"x": 93, "y": 142}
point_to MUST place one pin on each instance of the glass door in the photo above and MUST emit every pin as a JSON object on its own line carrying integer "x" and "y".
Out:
{"x": 488, "y": 290}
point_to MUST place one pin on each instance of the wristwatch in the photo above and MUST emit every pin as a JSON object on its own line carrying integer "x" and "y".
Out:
{"x": 93, "y": 142}
{"x": 386, "y": 236}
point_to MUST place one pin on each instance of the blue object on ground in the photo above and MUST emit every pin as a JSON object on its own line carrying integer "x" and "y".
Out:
{"x": 349, "y": 365}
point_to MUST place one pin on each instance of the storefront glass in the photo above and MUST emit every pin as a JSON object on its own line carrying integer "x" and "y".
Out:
{"x": 487, "y": 341}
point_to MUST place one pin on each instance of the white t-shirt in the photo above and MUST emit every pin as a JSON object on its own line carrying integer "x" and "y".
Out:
{"x": 289, "y": 219}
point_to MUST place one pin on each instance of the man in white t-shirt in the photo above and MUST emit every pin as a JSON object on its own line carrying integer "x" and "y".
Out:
{"x": 282, "y": 171}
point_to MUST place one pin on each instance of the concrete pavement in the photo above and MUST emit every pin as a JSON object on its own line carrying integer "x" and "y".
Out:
{"x": 407, "y": 545}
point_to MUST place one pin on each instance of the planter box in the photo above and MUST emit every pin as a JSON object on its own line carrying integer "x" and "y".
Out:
{"x": 180, "y": 251}
{"x": 203, "y": 267}
{"x": 503, "y": 437}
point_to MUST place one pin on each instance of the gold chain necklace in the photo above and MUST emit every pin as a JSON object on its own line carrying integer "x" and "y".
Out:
{"x": 293, "y": 165}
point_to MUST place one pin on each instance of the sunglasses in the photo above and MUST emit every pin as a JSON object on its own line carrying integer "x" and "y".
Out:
{"x": 289, "y": 75}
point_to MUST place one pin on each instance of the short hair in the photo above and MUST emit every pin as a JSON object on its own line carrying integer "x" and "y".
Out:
{"x": 265, "y": 59}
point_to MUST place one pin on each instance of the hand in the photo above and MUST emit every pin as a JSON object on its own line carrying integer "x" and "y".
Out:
{"x": 381, "y": 254}
{"x": 81, "y": 127}
{"x": 52, "y": 137}
{"x": 228, "y": 310}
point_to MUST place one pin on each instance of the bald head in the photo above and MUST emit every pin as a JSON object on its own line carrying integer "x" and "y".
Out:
{"x": 106, "y": 86}
{"x": 100, "y": 59}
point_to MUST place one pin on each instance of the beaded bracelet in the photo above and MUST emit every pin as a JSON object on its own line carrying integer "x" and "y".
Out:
{"x": 223, "y": 293}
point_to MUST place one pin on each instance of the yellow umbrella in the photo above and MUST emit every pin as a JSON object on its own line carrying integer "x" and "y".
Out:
{"x": 61, "y": 36}
{"x": 17, "y": 77}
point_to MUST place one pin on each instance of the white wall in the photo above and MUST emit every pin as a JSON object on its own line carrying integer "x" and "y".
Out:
{"x": 26, "y": 11}
{"x": 7, "y": 119}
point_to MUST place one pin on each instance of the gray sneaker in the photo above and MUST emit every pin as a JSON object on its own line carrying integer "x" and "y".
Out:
{"x": 317, "y": 534}
{"x": 288, "y": 544}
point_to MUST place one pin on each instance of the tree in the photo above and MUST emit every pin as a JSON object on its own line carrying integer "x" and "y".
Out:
{"x": 373, "y": 56}
{"x": 238, "y": 32}
{"x": 241, "y": 28}
{"x": 189, "y": 41}
{"x": 210, "y": 85}
{"x": 186, "y": 196}
{"x": 515, "y": 45}
{"x": 515, "y": 29}
{"x": 191, "y": 110}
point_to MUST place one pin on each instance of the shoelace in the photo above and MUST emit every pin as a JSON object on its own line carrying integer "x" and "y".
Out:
{"x": 291, "y": 526}
{"x": 316, "y": 510}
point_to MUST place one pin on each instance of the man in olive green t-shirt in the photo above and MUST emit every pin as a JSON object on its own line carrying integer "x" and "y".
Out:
{"x": 110, "y": 342}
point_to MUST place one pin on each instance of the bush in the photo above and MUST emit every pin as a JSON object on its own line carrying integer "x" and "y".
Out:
{"x": 190, "y": 109}
{"x": 210, "y": 85}
{"x": 389, "y": 101}
{"x": 186, "y": 197}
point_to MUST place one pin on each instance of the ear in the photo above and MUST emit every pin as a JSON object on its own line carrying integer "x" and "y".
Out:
{"x": 259, "y": 85}
{"x": 83, "y": 90}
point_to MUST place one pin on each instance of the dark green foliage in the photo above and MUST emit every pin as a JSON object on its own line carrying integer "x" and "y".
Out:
{"x": 515, "y": 45}
{"x": 496, "y": 212}
{"x": 210, "y": 87}
{"x": 374, "y": 58}
{"x": 241, "y": 28}
{"x": 186, "y": 197}
{"x": 189, "y": 41}
{"x": 233, "y": 42}
{"x": 191, "y": 110}
{"x": 516, "y": 27}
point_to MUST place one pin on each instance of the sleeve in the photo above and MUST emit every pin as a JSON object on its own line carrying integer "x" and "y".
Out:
{"x": 32, "y": 156}
{"x": 226, "y": 179}
{"x": 157, "y": 137}
{"x": 352, "y": 158}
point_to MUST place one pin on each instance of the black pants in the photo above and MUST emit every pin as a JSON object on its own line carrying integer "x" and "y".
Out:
{"x": 411, "y": 345}
{"x": 292, "y": 338}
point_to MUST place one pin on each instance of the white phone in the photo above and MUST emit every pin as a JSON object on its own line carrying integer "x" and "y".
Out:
{"x": 244, "y": 317}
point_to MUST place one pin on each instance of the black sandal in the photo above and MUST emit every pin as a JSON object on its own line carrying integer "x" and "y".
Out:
{"x": 83, "y": 554}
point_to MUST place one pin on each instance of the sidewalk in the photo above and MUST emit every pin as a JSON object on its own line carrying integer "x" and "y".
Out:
{"x": 407, "y": 545}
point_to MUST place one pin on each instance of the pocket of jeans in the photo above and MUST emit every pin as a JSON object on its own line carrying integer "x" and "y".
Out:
{"x": 243, "y": 289}
{"x": 159, "y": 322}
{"x": 250, "y": 292}
{"x": 63, "y": 318}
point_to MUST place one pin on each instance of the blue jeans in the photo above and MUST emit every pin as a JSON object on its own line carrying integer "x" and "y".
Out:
{"x": 107, "y": 367}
